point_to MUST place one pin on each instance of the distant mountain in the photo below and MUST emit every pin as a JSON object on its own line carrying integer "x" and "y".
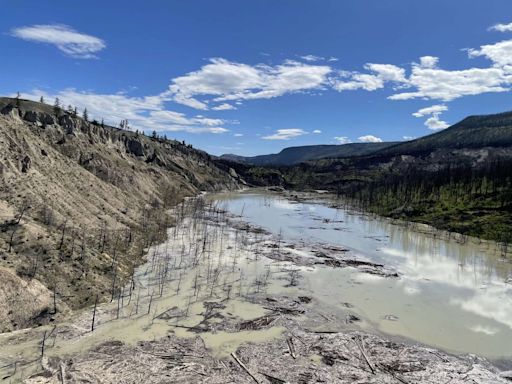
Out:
{"x": 296, "y": 155}
{"x": 472, "y": 132}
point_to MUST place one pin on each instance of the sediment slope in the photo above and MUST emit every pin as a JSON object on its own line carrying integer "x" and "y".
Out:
{"x": 80, "y": 200}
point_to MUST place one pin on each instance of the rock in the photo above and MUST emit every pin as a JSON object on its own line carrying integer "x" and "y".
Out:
{"x": 10, "y": 110}
{"x": 44, "y": 153}
{"x": 30, "y": 116}
{"x": 25, "y": 164}
{"x": 40, "y": 118}
{"x": 46, "y": 118}
{"x": 67, "y": 123}
{"x": 135, "y": 147}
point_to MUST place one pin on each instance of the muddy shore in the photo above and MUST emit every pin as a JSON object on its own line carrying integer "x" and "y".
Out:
{"x": 220, "y": 302}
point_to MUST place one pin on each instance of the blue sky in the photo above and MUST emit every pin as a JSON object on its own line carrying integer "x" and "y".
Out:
{"x": 253, "y": 77}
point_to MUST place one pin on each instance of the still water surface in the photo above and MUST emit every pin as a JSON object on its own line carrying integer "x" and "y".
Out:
{"x": 449, "y": 295}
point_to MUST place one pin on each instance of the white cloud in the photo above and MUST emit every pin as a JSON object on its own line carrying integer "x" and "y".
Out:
{"x": 143, "y": 113}
{"x": 439, "y": 84}
{"x": 429, "y": 61}
{"x": 224, "y": 107}
{"x": 317, "y": 131}
{"x": 500, "y": 53}
{"x": 407, "y": 138}
{"x": 286, "y": 134}
{"x": 382, "y": 73}
{"x": 435, "y": 123}
{"x": 65, "y": 38}
{"x": 439, "y": 108}
{"x": 238, "y": 134}
{"x": 190, "y": 102}
{"x": 312, "y": 58}
{"x": 501, "y": 27}
{"x": 370, "y": 139}
{"x": 342, "y": 139}
{"x": 225, "y": 80}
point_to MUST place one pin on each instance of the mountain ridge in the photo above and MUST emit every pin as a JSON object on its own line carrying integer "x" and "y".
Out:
{"x": 492, "y": 130}
{"x": 299, "y": 154}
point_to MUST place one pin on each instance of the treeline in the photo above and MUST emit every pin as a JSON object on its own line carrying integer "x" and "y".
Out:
{"x": 463, "y": 198}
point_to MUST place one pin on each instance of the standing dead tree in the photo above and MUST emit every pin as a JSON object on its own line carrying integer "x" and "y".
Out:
{"x": 23, "y": 209}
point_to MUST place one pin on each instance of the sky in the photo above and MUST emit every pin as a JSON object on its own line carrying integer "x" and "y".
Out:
{"x": 253, "y": 77}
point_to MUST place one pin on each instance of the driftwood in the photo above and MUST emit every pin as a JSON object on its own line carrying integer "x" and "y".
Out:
{"x": 363, "y": 352}
{"x": 291, "y": 347}
{"x": 233, "y": 354}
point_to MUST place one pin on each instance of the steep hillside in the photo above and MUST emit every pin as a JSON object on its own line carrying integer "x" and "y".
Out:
{"x": 296, "y": 155}
{"x": 472, "y": 132}
{"x": 80, "y": 201}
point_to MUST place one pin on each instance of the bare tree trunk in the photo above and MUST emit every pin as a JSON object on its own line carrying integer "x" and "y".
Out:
{"x": 94, "y": 313}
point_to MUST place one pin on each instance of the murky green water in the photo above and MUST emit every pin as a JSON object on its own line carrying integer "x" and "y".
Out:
{"x": 449, "y": 295}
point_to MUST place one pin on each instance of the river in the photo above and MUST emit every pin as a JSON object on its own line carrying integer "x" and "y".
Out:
{"x": 450, "y": 295}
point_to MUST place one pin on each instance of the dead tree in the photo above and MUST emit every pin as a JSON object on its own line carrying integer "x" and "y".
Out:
{"x": 23, "y": 209}
{"x": 94, "y": 313}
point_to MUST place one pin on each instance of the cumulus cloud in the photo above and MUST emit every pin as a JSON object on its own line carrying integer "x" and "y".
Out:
{"x": 501, "y": 27}
{"x": 427, "y": 81}
{"x": 499, "y": 53}
{"x": 286, "y": 134}
{"x": 381, "y": 73}
{"x": 317, "y": 131}
{"x": 433, "y": 122}
{"x": 238, "y": 134}
{"x": 408, "y": 138}
{"x": 66, "y": 39}
{"x": 439, "y": 108}
{"x": 342, "y": 139}
{"x": 226, "y": 80}
{"x": 428, "y": 61}
{"x": 439, "y": 84}
{"x": 370, "y": 139}
{"x": 143, "y": 113}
